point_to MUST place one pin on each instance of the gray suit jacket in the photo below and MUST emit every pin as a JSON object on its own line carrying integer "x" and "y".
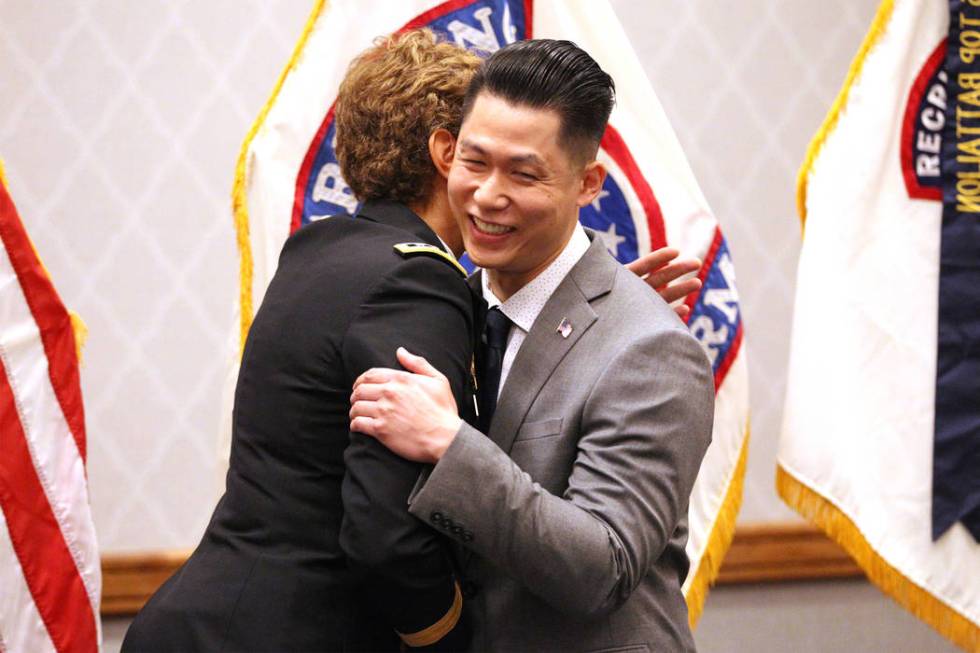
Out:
{"x": 575, "y": 506}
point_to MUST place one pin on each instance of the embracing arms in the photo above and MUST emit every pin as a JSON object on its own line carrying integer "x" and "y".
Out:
{"x": 644, "y": 430}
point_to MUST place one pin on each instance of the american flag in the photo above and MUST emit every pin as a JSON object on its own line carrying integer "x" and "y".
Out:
{"x": 50, "y": 579}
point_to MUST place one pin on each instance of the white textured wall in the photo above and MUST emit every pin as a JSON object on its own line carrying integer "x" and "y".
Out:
{"x": 746, "y": 85}
{"x": 120, "y": 123}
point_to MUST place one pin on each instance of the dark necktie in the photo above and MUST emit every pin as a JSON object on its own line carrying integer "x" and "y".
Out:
{"x": 494, "y": 343}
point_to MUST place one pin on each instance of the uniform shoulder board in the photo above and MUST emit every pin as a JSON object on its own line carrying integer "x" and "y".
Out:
{"x": 408, "y": 250}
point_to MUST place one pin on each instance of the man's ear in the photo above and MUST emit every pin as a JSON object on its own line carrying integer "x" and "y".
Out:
{"x": 442, "y": 145}
{"x": 593, "y": 177}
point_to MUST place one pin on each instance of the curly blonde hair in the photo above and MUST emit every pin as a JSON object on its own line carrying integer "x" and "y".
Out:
{"x": 395, "y": 94}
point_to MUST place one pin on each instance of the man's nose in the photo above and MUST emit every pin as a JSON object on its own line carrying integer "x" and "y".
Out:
{"x": 490, "y": 193}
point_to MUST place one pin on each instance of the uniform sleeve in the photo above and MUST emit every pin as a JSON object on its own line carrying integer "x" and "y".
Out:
{"x": 645, "y": 429}
{"x": 402, "y": 564}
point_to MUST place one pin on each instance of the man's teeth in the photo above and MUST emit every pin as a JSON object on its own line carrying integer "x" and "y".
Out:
{"x": 490, "y": 228}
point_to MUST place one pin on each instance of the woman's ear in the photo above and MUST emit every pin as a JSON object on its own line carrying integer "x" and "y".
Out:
{"x": 442, "y": 145}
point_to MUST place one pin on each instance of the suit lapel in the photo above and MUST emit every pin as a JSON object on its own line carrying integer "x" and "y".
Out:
{"x": 539, "y": 355}
{"x": 545, "y": 346}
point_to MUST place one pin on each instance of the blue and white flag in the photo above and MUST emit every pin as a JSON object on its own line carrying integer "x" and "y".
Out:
{"x": 881, "y": 438}
{"x": 288, "y": 176}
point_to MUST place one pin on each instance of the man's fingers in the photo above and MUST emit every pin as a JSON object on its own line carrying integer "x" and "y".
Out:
{"x": 682, "y": 310}
{"x": 649, "y": 262}
{"x": 680, "y": 290}
{"x": 416, "y": 364}
{"x": 365, "y": 425}
{"x": 365, "y": 417}
{"x": 378, "y": 375}
{"x": 367, "y": 392}
{"x": 667, "y": 274}
{"x": 364, "y": 409}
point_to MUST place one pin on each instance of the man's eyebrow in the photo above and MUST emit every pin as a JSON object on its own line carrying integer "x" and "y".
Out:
{"x": 529, "y": 158}
{"x": 467, "y": 144}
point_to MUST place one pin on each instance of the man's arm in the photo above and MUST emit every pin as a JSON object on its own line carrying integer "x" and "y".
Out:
{"x": 403, "y": 565}
{"x": 645, "y": 429}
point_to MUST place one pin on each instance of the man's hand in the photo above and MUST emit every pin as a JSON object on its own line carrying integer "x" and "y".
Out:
{"x": 413, "y": 415}
{"x": 659, "y": 269}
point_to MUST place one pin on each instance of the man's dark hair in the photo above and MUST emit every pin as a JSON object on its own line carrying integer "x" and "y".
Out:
{"x": 550, "y": 74}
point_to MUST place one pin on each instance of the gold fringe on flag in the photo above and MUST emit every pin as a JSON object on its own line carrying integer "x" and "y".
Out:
{"x": 81, "y": 333}
{"x": 238, "y": 194}
{"x": 720, "y": 538}
{"x": 831, "y": 520}
{"x": 877, "y": 29}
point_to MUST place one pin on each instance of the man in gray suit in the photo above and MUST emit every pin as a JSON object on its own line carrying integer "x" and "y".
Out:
{"x": 572, "y": 508}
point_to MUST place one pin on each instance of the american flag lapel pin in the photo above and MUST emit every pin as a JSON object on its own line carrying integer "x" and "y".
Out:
{"x": 564, "y": 328}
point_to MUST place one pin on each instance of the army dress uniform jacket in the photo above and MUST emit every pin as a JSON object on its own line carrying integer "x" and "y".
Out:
{"x": 312, "y": 547}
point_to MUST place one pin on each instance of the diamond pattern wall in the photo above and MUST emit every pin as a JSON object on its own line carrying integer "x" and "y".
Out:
{"x": 120, "y": 123}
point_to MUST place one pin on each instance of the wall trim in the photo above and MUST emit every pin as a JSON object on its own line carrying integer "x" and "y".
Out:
{"x": 766, "y": 552}
{"x": 780, "y": 552}
{"x": 128, "y": 579}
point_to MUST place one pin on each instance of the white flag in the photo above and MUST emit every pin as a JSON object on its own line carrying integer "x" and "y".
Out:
{"x": 856, "y": 455}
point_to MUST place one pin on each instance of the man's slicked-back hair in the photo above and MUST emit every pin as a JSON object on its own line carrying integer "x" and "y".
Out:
{"x": 555, "y": 75}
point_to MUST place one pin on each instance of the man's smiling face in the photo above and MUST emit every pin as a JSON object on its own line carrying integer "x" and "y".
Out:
{"x": 515, "y": 189}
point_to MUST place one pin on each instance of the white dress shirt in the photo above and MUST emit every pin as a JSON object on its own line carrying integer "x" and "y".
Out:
{"x": 523, "y": 307}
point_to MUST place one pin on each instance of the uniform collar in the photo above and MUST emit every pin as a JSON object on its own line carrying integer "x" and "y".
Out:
{"x": 396, "y": 214}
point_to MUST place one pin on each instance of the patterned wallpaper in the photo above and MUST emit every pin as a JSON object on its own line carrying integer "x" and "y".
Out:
{"x": 120, "y": 123}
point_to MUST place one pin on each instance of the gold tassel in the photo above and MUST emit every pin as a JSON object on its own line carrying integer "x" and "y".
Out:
{"x": 238, "y": 192}
{"x": 720, "y": 538}
{"x": 948, "y": 622}
{"x": 875, "y": 32}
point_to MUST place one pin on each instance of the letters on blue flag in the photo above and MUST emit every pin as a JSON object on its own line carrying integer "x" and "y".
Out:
{"x": 956, "y": 453}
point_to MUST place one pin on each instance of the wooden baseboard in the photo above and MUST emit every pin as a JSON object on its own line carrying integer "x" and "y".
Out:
{"x": 784, "y": 552}
{"x": 759, "y": 553}
{"x": 128, "y": 579}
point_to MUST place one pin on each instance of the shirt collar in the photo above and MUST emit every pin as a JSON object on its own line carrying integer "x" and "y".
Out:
{"x": 522, "y": 308}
